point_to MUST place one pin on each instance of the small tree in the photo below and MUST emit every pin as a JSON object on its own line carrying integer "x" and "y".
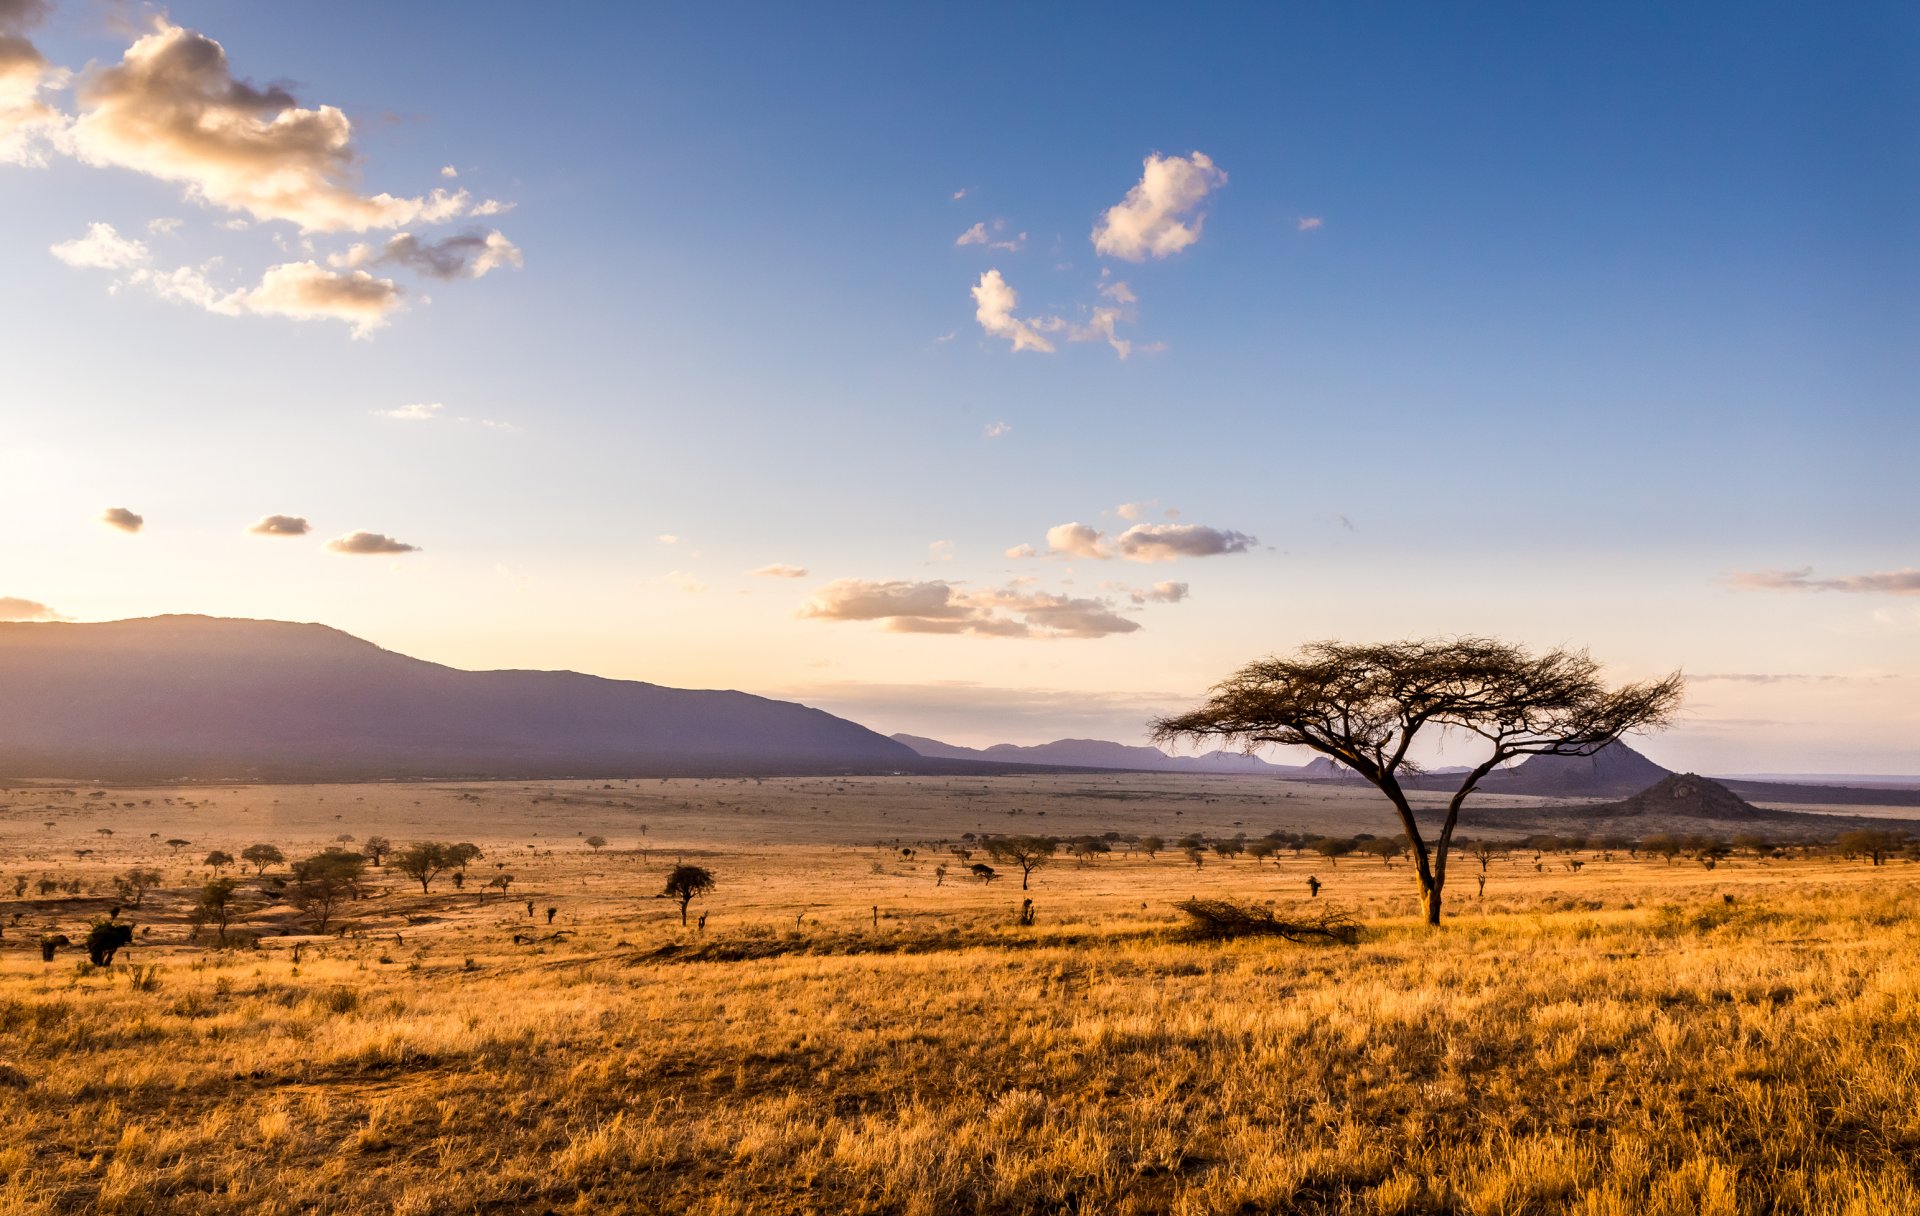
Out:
{"x": 424, "y": 861}
{"x": 1872, "y": 843}
{"x": 218, "y": 860}
{"x": 463, "y": 854}
{"x": 377, "y": 848}
{"x": 1364, "y": 705}
{"x": 135, "y": 884}
{"x": 219, "y": 904}
{"x": 596, "y": 843}
{"x": 176, "y": 844}
{"x": 260, "y": 856}
{"x": 1151, "y": 846}
{"x": 685, "y": 883}
{"x": 1385, "y": 848}
{"x": 324, "y": 881}
{"x": 1027, "y": 852}
{"x": 1484, "y": 851}
{"x": 1333, "y": 848}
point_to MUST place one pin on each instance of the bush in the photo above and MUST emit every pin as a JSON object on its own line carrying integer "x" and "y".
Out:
{"x": 1223, "y": 918}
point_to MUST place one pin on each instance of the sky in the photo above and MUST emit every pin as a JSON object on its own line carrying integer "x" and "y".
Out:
{"x": 1000, "y": 373}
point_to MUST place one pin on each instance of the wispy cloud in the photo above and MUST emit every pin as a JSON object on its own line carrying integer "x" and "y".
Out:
{"x": 1160, "y": 216}
{"x": 470, "y": 255}
{"x": 172, "y": 109}
{"x": 938, "y": 606}
{"x": 1141, "y": 542}
{"x": 995, "y": 302}
{"x": 102, "y": 248}
{"x": 781, "y": 570}
{"x": 997, "y": 429}
{"x": 1308, "y": 223}
{"x": 1884, "y": 582}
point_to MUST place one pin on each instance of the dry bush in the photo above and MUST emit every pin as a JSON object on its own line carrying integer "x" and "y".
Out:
{"x": 1225, "y": 918}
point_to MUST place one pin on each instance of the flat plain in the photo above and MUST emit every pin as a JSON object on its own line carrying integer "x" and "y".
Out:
{"x": 854, "y": 1030}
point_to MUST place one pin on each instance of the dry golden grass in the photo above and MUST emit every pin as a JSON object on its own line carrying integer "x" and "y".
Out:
{"x": 1633, "y": 1038}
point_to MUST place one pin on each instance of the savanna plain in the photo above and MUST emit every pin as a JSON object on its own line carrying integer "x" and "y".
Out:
{"x": 851, "y": 1020}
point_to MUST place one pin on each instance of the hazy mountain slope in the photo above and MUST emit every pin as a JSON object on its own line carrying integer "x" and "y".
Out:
{"x": 1100, "y": 753}
{"x": 186, "y": 696}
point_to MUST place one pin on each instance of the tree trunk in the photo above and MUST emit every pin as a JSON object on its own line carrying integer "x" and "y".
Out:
{"x": 1025, "y": 874}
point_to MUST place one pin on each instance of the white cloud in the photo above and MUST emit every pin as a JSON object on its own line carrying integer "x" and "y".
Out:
{"x": 1133, "y": 510}
{"x": 1161, "y": 593}
{"x": 668, "y": 538}
{"x": 103, "y": 248}
{"x": 1881, "y": 582}
{"x": 368, "y": 544}
{"x": 13, "y": 608}
{"x": 123, "y": 519}
{"x": 943, "y": 607}
{"x": 959, "y": 194}
{"x": 172, "y": 109}
{"x": 781, "y": 570}
{"x": 1076, "y": 540}
{"x": 976, "y": 235}
{"x": 302, "y": 291}
{"x": 1308, "y": 223}
{"x": 997, "y": 429}
{"x": 1019, "y": 552}
{"x": 940, "y": 551}
{"x": 281, "y": 525}
{"x": 1159, "y": 216}
{"x": 449, "y": 171}
{"x": 164, "y": 226}
{"x": 995, "y": 302}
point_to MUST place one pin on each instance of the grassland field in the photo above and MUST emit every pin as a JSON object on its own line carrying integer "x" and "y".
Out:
{"x": 849, "y": 1033}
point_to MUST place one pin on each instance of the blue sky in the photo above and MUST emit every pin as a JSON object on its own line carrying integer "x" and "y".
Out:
{"x": 1585, "y": 327}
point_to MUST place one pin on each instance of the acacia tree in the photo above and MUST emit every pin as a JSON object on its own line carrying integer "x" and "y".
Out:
{"x": 1363, "y": 705}
{"x": 1027, "y": 852}
{"x": 260, "y": 856}
{"x": 324, "y": 881}
{"x": 686, "y": 882}
{"x": 424, "y": 862}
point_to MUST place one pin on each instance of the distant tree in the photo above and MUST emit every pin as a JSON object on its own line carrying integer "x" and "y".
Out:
{"x": 1662, "y": 844}
{"x": 983, "y": 871}
{"x": 939, "y": 874}
{"x": 1383, "y": 847}
{"x": 463, "y": 854}
{"x": 685, "y": 884}
{"x": 219, "y": 904}
{"x": 596, "y": 843}
{"x": 1195, "y": 856}
{"x": 1151, "y": 846}
{"x": 1027, "y": 852}
{"x": 502, "y": 881}
{"x": 1364, "y": 705}
{"x": 1260, "y": 850}
{"x": 218, "y": 860}
{"x": 377, "y": 848}
{"x": 135, "y": 883}
{"x": 1333, "y": 848}
{"x": 424, "y": 861}
{"x": 176, "y": 844}
{"x": 1872, "y": 843}
{"x": 1230, "y": 848}
{"x": 324, "y": 881}
{"x": 260, "y": 856}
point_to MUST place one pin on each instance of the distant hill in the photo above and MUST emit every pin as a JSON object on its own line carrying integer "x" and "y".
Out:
{"x": 1100, "y": 753}
{"x": 1682, "y": 796}
{"x": 192, "y": 697}
{"x": 1615, "y": 771}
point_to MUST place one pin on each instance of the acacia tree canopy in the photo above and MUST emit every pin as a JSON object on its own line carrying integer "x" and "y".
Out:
{"x": 1364, "y": 704}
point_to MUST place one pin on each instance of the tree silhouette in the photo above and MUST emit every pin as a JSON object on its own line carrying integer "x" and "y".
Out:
{"x": 1364, "y": 705}
{"x": 685, "y": 883}
{"x": 425, "y": 861}
{"x": 322, "y": 882}
{"x": 1027, "y": 852}
{"x": 260, "y": 856}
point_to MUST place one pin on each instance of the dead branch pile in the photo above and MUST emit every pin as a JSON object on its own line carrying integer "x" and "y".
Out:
{"x": 1223, "y": 918}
